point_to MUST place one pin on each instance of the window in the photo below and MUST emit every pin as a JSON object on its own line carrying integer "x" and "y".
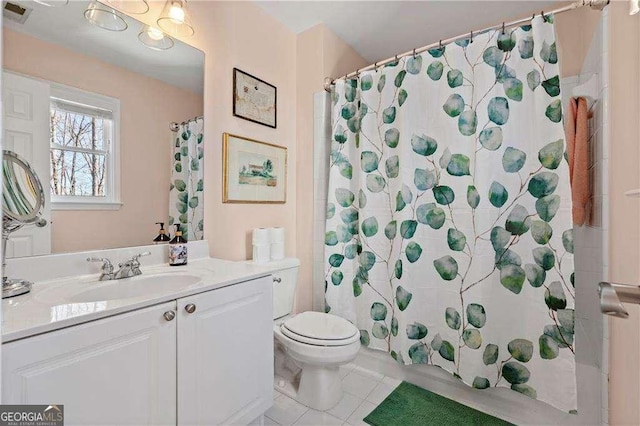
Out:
{"x": 84, "y": 150}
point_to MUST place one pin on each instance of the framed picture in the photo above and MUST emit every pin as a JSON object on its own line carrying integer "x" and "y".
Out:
{"x": 253, "y": 99}
{"x": 253, "y": 171}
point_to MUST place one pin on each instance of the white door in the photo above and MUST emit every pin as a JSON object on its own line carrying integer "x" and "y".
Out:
{"x": 225, "y": 354}
{"x": 26, "y": 131}
{"x": 120, "y": 370}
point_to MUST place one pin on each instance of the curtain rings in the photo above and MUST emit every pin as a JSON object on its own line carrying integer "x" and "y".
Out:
{"x": 414, "y": 53}
{"x": 542, "y": 14}
{"x": 503, "y": 28}
{"x": 440, "y": 44}
{"x": 471, "y": 36}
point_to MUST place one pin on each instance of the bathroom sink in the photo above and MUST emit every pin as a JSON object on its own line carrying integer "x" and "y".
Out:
{"x": 136, "y": 287}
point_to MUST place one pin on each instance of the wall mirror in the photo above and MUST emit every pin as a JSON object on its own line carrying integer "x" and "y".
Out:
{"x": 108, "y": 113}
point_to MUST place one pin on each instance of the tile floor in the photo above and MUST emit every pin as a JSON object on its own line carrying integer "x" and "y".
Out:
{"x": 363, "y": 391}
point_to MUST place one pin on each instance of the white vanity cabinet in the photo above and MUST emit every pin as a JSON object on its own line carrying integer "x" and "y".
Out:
{"x": 118, "y": 370}
{"x": 205, "y": 359}
{"x": 225, "y": 354}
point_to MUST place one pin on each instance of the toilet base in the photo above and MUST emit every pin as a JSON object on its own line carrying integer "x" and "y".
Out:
{"x": 320, "y": 387}
{"x": 317, "y": 387}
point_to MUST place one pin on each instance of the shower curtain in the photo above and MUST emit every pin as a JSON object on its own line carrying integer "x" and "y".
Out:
{"x": 186, "y": 205}
{"x": 449, "y": 237}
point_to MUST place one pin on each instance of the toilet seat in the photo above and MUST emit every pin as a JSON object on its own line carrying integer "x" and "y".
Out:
{"x": 320, "y": 329}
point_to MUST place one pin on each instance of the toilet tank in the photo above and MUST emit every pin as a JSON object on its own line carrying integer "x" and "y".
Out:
{"x": 285, "y": 279}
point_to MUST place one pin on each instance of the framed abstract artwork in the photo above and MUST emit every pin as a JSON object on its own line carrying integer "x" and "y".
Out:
{"x": 254, "y": 99}
{"x": 253, "y": 171}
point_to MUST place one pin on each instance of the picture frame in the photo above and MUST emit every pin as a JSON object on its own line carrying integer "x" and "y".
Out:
{"x": 254, "y": 99}
{"x": 253, "y": 172}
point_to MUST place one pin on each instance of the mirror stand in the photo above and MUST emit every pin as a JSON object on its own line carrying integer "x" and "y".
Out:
{"x": 11, "y": 286}
{"x": 22, "y": 203}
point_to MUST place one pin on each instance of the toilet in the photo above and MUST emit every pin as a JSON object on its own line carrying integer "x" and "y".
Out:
{"x": 310, "y": 346}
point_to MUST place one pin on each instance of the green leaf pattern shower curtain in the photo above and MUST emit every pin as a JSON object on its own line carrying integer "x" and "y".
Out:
{"x": 449, "y": 238}
{"x": 186, "y": 192}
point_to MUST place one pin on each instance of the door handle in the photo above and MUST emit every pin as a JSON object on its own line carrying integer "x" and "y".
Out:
{"x": 190, "y": 308}
{"x": 169, "y": 315}
{"x": 612, "y": 295}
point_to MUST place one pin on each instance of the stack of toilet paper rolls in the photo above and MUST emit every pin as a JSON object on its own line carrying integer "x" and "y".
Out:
{"x": 268, "y": 244}
{"x": 277, "y": 243}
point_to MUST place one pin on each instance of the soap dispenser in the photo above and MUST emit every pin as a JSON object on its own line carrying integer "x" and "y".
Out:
{"x": 162, "y": 237}
{"x": 178, "y": 249}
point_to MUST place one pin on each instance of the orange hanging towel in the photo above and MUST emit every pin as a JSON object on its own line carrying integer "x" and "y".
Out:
{"x": 577, "y": 132}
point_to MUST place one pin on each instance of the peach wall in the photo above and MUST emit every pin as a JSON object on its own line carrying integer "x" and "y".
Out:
{"x": 320, "y": 54}
{"x": 624, "y": 219}
{"x": 147, "y": 107}
{"x": 574, "y": 31}
{"x": 242, "y": 35}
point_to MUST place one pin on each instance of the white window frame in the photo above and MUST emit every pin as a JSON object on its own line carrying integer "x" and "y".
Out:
{"x": 112, "y": 200}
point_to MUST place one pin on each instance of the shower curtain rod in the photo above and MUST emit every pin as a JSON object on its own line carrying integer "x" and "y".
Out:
{"x": 174, "y": 126}
{"x": 594, "y": 4}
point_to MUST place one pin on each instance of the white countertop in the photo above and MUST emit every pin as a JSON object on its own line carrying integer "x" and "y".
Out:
{"x": 47, "y": 308}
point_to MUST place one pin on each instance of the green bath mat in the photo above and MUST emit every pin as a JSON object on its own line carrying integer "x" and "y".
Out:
{"x": 410, "y": 405}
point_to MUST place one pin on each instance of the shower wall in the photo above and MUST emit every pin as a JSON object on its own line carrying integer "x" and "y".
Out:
{"x": 590, "y": 240}
{"x": 321, "y": 152}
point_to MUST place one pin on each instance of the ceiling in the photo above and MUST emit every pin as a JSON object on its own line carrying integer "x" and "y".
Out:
{"x": 380, "y": 29}
{"x": 181, "y": 66}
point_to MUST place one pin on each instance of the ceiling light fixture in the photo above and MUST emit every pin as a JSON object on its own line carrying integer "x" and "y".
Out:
{"x": 53, "y": 3}
{"x": 105, "y": 17}
{"x": 634, "y": 7}
{"x": 175, "y": 19}
{"x": 155, "y": 39}
{"x": 136, "y": 7}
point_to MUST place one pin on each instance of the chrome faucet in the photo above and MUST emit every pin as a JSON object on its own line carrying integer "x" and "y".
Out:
{"x": 131, "y": 267}
{"x": 127, "y": 269}
{"x": 107, "y": 267}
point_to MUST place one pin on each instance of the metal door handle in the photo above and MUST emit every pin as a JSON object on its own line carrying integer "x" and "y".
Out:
{"x": 190, "y": 308}
{"x": 169, "y": 315}
{"x": 277, "y": 279}
{"x": 612, "y": 295}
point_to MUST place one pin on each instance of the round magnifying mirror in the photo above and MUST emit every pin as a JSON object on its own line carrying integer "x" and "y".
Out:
{"x": 22, "y": 193}
{"x": 22, "y": 204}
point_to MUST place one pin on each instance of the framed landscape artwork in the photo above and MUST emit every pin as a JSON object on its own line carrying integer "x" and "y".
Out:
{"x": 253, "y": 99}
{"x": 253, "y": 171}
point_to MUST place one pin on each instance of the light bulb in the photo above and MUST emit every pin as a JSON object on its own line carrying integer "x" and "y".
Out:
{"x": 634, "y": 7}
{"x": 176, "y": 14}
{"x": 175, "y": 20}
{"x": 155, "y": 34}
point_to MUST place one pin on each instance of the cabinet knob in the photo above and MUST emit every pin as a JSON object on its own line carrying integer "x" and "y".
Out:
{"x": 169, "y": 315}
{"x": 277, "y": 279}
{"x": 190, "y": 308}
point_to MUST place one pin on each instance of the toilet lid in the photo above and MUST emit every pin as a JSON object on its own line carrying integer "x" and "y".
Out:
{"x": 320, "y": 326}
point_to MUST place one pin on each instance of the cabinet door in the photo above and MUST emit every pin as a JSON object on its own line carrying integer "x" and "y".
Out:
{"x": 119, "y": 370}
{"x": 225, "y": 354}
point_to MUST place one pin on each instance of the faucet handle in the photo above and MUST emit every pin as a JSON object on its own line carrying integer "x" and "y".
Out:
{"x": 133, "y": 261}
{"x": 106, "y": 263}
{"x": 138, "y": 256}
